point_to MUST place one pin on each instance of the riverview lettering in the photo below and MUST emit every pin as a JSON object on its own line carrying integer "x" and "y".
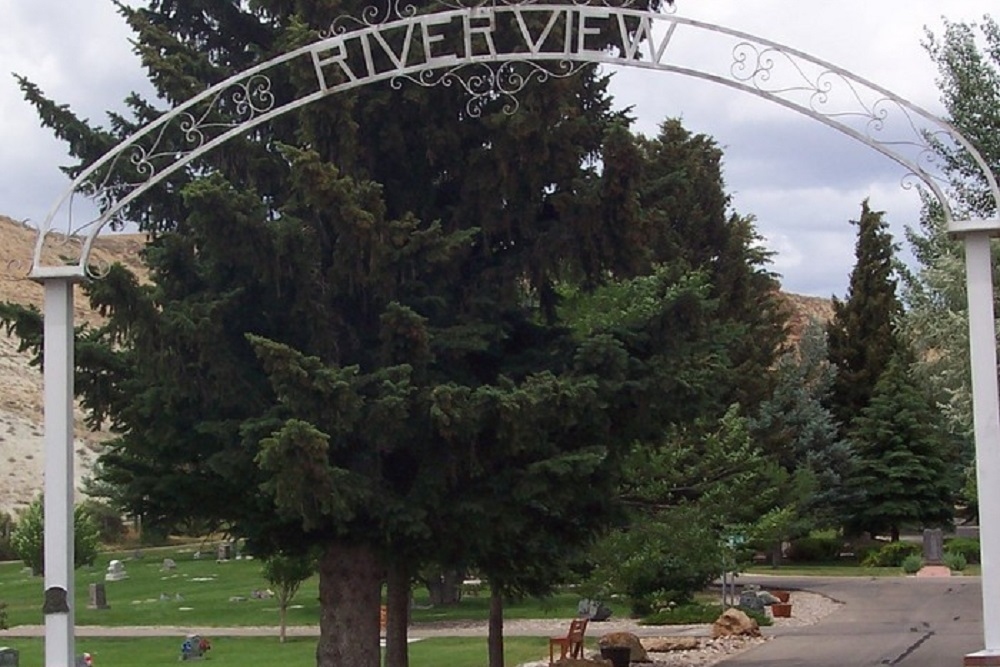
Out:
{"x": 449, "y": 38}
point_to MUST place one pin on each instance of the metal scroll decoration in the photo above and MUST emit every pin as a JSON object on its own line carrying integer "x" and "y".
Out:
{"x": 491, "y": 50}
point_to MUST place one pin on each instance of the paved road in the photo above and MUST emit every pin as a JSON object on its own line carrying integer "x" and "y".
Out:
{"x": 908, "y": 622}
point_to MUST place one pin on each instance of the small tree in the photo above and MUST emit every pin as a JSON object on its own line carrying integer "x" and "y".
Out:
{"x": 286, "y": 573}
{"x": 3, "y": 616}
{"x": 28, "y": 538}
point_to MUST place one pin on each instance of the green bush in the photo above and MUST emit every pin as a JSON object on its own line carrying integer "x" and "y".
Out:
{"x": 695, "y": 613}
{"x": 108, "y": 520}
{"x": 28, "y": 538}
{"x": 658, "y": 563}
{"x": 761, "y": 617}
{"x": 912, "y": 564}
{"x": 6, "y": 530}
{"x": 892, "y": 554}
{"x": 967, "y": 546}
{"x": 814, "y": 549}
{"x": 3, "y": 616}
{"x": 955, "y": 560}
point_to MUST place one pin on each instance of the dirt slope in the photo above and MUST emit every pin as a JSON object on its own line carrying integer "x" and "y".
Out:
{"x": 21, "y": 447}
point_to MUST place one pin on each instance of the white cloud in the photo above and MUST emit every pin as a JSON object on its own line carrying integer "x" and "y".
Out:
{"x": 800, "y": 179}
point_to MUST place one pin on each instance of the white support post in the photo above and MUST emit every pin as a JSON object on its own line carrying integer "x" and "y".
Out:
{"x": 58, "y": 399}
{"x": 986, "y": 415}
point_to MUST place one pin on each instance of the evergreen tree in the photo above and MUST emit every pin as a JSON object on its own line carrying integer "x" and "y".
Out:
{"x": 351, "y": 338}
{"x": 862, "y": 334}
{"x": 904, "y": 466}
{"x": 796, "y": 429}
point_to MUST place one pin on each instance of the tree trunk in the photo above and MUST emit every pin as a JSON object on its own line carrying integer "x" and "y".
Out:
{"x": 445, "y": 589}
{"x": 894, "y": 534}
{"x": 282, "y": 621}
{"x": 398, "y": 615}
{"x": 495, "y": 639}
{"x": 350, "y": 586}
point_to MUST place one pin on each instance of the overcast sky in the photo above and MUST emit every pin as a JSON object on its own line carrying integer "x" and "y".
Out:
{"x": 802, "y": 180}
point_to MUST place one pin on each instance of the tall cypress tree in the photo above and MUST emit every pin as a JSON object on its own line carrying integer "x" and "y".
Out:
{"x": 862, "y": 334}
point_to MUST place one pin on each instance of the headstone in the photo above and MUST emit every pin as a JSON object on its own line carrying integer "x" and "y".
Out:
{"x": 224, "y": 551}
{"x": 84, "y": 660}
{"x": 595, "y": 610}
{"x": 197, "y": 555}
{"x": 9, "y": 657}
{"x": 116, "y": 571}
{"x": 168, "y": 564}
{"x": 933, "y": 546}
{"x": 98, "y": 597}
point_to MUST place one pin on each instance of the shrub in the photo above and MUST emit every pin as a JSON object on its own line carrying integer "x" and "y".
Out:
{"x": 3, "y": 616}
{"x": 28, "y": 538}
{"x": 761, "y": 617}
{"x": 892, "y": 554}
{"x": 697, "y": 614}
{"x": 655, "y": 563}
{"x": 912, "y": 564}
{"x": 108, "y": 520}
{"x": 967, "y": 546}
{"x": 955, "y": 560}
{"x": 6, "y": 530}
{"x": 814, "y": 549}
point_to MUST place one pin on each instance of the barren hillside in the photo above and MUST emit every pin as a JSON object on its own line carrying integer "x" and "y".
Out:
{"x": 21, "y": 455}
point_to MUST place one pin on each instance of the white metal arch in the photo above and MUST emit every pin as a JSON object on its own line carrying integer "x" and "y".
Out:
{"x": 402, "y": 47}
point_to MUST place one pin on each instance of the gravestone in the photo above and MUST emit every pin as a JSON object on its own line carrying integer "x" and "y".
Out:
{"x": 98, "y": 597}
{"x": 116, "y": 571}
{"x": 84, "y": 660}
{"x": 224, "y": 551}
{"x": 9, "y": 657}
{"x": 933, "y": 546}
{"x": 168, "y": 565}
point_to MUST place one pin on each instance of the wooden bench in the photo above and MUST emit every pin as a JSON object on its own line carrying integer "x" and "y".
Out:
{"x": 570, "y": 644}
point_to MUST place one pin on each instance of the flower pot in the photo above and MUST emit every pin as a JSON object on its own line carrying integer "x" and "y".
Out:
{"x": 781, "y": 610}
{"x": 781, "y": 595}
{"x": 620, "y": 656}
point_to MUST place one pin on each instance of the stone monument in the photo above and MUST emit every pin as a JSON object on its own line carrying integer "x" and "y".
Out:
{"x": 116, "y": 571}
{"x": 98, "y": 597}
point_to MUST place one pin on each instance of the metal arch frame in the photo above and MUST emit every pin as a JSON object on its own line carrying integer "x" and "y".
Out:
{"x": 815, "y": 88}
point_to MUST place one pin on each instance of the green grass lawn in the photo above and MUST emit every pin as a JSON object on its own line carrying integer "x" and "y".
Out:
{"x": 839, "y": 570}
{"x": 267, "y": 652}
{"x": 204, "y": 593}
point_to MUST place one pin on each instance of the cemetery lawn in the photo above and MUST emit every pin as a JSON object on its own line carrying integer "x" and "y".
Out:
{"x": 267, "y": 652}
{"x": 205, "y": 593}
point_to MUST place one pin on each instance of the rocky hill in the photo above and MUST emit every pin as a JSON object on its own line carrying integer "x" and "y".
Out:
{"x": 21, "y": 448}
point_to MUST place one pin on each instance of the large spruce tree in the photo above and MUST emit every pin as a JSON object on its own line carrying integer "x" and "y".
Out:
{"x": 906, "y": 465}
{"x": 352, "y": 336}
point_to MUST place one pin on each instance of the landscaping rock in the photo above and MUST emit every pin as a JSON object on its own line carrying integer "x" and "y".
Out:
{"x": 583, "y": 662}
{"x": 735, "y": 623}
{"x": 625, "y": 639}
{"x": 667, "y": 644}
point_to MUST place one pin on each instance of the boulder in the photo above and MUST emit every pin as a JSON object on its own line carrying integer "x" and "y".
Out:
{"x": 735, "y": 623}
{"x": 625, "y": 639}
{"x": 667, "y": 644}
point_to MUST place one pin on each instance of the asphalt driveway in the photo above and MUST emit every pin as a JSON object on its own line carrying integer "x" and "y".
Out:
{"x": 905, "y": 621}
